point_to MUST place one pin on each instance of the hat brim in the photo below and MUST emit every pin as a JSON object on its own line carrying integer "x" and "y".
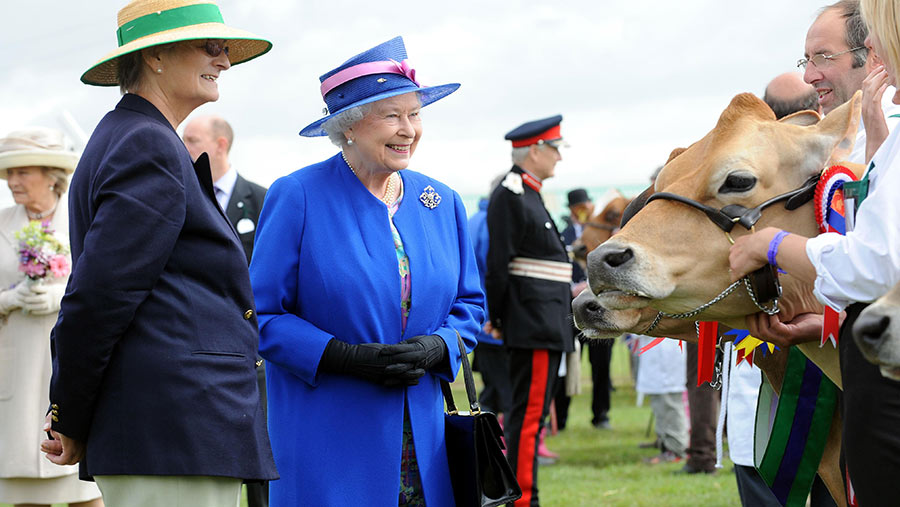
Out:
{"x": 64, "y": 160}
{"x": 428, "y": 95}
{"x": 243, "y": 46}
{"x": 558, "y": 143}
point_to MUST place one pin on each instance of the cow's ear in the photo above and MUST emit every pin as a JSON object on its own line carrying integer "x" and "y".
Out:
{"x": 802, "y": 118}
{"x": 839, "y": 128}
{"x": 675, "y": 153}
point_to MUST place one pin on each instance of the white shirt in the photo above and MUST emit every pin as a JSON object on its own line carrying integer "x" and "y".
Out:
{"x": 225, "y": 186}
{"x": 661, "y": 369}
{"x": 740, "y": 406}
{"x": 863, "y": 265}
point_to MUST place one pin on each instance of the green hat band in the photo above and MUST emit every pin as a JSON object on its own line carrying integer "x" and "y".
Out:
{"x": 167, "y": 20}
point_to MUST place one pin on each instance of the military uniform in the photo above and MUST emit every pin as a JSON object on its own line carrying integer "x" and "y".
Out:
{"x": 528, "y": 292}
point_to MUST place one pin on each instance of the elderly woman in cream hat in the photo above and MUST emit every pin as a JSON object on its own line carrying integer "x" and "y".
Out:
{"x": 154, "y": 380}
{"x": 364, "y": 278}
{"x": 36, "y": 165}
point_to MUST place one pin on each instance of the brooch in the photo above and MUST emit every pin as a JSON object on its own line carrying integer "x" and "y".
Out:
{"x": 430, "y": 198}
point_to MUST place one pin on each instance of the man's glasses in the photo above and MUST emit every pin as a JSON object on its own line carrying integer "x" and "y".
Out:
{"x": 214, "y": 48}
{"x": 820, "y": 59}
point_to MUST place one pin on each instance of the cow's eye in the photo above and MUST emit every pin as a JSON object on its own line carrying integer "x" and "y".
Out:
{"x": 737, "y": 182}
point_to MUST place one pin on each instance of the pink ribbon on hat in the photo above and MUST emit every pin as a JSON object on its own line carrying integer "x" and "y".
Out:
{"x": 366, "y": 69}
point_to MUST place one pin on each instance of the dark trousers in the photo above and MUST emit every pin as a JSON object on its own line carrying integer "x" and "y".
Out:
{"x": 703, "y": 402}
{"x": 600, "y": 355}
{"x": 533, "y": 375}
{"x": 752, "y": 489}
{"x": 258, "y": 492}
{"x": 871, "y": 412}
{"x": 493, "y": 363}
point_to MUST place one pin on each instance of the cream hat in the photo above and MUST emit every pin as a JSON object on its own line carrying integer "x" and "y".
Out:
{"x": 146, "y": 23}
{"x": 36, "y": 146}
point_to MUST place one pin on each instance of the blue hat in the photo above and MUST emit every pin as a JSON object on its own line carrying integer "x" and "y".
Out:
{"x": 542, "y": 131}
{"x": 372, "y": 75}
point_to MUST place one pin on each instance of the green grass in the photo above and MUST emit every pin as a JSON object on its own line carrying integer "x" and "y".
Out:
{"x": 605, "y": 467}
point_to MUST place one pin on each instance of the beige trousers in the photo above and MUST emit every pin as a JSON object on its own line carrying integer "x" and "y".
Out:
{"x": 169, "y": 491}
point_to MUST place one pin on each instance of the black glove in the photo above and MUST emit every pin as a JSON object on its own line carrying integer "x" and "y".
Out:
{"x": 424, "y": 351}
{"x": 369, "y": 361}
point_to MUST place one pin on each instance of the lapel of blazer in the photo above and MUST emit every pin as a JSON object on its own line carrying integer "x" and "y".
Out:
{"x": 204, "y": 174}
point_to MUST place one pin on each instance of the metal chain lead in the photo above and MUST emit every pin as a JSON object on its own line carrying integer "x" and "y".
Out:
{"x": 722, "y": 295}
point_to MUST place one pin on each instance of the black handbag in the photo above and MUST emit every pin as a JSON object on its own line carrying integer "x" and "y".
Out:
{"x": 479, "y": 471}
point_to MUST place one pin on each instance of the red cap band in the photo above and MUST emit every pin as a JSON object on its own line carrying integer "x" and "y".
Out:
{"x": 550, "y": 134}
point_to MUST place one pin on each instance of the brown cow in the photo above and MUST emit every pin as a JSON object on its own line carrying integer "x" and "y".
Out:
{"x": 599, "y": 227}
{"x": 671, "y": 257}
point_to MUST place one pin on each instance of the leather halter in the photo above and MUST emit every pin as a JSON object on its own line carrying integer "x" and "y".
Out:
{"x": 731, "y": 214}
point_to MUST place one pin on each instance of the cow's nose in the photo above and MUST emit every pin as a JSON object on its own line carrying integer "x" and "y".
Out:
{"x": 586, "y": 310}
{"x": 871, "y": 327}
{"x": 617, "y": 257}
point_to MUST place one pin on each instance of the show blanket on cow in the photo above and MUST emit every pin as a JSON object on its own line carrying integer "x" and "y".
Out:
{"x": 342, "y": 426}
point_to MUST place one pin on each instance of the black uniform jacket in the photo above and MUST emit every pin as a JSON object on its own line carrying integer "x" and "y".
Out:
{"x": 532, "y": 313}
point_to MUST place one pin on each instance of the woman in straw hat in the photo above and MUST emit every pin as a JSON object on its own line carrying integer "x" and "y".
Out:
{"x": 36, "y": 164}
{"x": 154, "y": 383}
{"x": 363, "y": 275}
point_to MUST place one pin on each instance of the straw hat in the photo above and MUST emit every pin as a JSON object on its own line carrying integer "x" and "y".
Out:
{"x": 36, "y": 146}
{"x": 146, "y": 23}
{"x": 372, "y": 75}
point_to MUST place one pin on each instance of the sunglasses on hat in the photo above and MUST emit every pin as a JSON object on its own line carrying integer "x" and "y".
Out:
{"x": 214, "y": 48}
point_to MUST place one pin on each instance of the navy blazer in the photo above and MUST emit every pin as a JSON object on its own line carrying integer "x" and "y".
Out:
{"x": 156, "y": 341}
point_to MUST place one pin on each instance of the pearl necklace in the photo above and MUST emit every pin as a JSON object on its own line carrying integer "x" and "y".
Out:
{"x": 389, "y": 194}
{"x": 43, "y": 214}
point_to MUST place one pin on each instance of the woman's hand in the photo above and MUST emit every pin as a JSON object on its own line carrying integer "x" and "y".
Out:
{"x": 61, "y": 449}
{"x": 371, "y": 361}
{"x": 873, "y": 89}
{"x": 43, "y": 299}
{"x": 749, "y": 252}
{"x": 806, "y": 327}
{"x": 14, "y": 298}
{"x": 424, "y": 351}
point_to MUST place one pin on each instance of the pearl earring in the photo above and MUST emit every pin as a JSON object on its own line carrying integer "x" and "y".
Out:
{"x": 159, "y": 71}
{"x": 349, "y": 142}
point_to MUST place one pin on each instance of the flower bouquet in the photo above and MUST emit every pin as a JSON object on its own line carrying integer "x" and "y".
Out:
{"x": 40, "y": 253}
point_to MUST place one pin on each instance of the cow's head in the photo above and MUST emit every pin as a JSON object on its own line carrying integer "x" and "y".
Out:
{"x": 877, "y": 333}
{"x": 670, "y": 256}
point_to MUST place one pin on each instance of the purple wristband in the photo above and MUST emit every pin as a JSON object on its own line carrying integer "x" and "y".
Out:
{"x": 773, "y": 249}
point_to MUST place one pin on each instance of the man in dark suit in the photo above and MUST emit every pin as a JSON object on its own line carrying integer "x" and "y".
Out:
{"x": 156, "y": 341}
{"x": 528, "y": 294}
{"x": 242, "y": 201}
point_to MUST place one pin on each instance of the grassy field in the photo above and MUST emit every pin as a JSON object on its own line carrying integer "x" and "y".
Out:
{"x": 605, "y": 467}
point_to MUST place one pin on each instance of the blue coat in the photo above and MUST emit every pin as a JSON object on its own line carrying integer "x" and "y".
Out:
{"x": 155, "y": 345}
{"x": 325, "y": 266}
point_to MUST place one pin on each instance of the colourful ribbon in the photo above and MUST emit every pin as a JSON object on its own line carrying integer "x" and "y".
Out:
{"x": 707, "y": 333}
{"x": 789, "y": 447}
{"x": 366, "y": 69}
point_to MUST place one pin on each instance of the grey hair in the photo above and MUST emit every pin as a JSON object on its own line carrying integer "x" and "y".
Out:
{"x": 519, "y": 154}
{"x": 60, "y": 179}
{"x": 337, "y": 124}
{"x": 855, "y": 29}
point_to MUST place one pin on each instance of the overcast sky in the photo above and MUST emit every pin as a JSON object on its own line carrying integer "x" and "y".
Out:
{"x": 632, "y": 79}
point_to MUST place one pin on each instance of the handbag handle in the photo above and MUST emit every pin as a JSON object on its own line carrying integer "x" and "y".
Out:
{"x": 474, "y": 407}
